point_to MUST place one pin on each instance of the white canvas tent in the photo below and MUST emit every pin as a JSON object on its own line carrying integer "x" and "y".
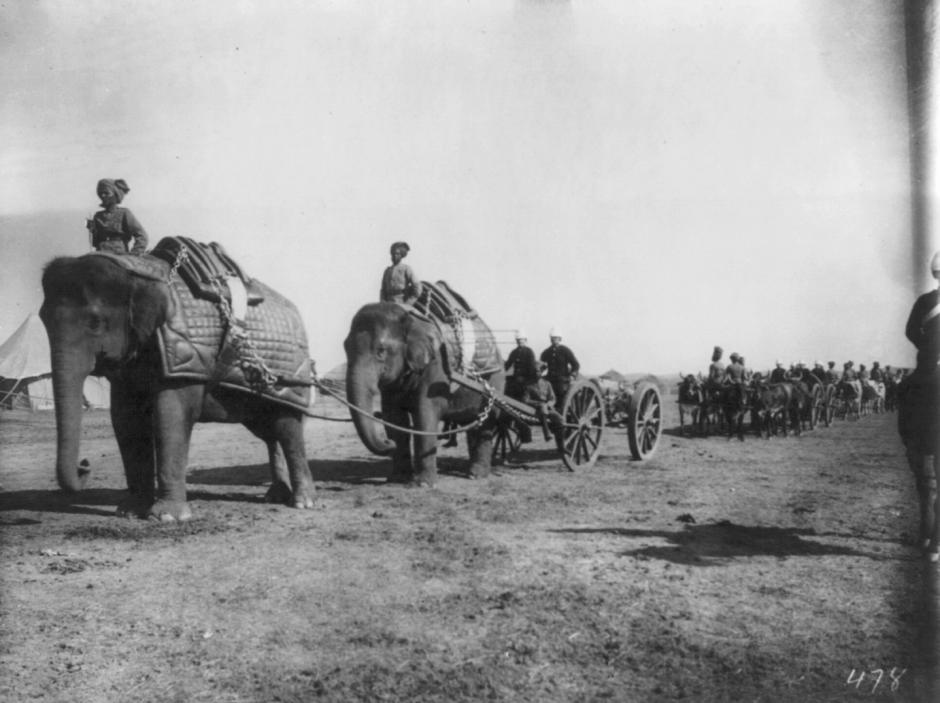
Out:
{"x": 25, "y": 371}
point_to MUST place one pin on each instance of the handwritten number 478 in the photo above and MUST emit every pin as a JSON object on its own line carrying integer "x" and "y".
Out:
{"x": 877, "y": 677}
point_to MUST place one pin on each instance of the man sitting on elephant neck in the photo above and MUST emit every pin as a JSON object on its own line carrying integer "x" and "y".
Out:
{"x": 399, "y": 283}
{"x": 112, "y": 228}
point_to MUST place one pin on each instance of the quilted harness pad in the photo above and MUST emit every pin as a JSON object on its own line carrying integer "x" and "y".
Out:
{"x": 194, "y": 345}
{"x": 469, "y": 344}
{"x": 199, "y": 341}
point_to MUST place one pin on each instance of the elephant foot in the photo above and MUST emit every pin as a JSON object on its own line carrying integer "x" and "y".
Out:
{"x": 480, "y": 471}
{"x": 302, "y": 500}
{"x": 279, "y": 492}
{"x": 400, "y": 477}
{"x": 170, "y": 511}
{"x": 134, "y": 506}
{"x": 423, "y": 480}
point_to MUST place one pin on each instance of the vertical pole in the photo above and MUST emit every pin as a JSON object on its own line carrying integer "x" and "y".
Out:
{"x": 920, "y": 20}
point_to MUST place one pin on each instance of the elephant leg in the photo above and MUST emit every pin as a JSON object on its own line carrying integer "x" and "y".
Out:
{"x": 289, "y": 430}
{"x": 426, "y": 420}
{"x": 175, "y": 413}
{"x": 402, "y": 469}
{"x": 480, "y": 444}
{"x": 280, "y": 491}
{"x": 291, "y": 482}
{"x": 425, "y": 460}
{"x": 132, "y": 420}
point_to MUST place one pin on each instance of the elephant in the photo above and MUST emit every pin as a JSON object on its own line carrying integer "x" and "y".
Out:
{"x": 399, "y": 355}
{"x": 103, "y": 319}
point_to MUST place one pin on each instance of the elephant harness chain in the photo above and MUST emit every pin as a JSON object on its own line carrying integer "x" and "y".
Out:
{"x": 257, "y": 373}
{"x": 491, "y": 398}
{"x": 457, "y": 322}
{"x": 182, "y": 256}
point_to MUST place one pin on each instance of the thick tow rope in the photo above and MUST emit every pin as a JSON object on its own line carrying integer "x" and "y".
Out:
{"x": 491, "y": 401}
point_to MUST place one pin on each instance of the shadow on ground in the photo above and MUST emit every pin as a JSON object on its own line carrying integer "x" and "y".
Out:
{"x": 716, "y": 544}
{"x": 95, "y": 501}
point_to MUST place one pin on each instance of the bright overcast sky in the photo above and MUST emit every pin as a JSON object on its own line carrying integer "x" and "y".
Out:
{"x": 652, "y": 177}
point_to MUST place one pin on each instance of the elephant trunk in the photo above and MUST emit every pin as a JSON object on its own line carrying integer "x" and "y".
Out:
{"x": 361, "y": 393}
{"x": 67, "y": 381}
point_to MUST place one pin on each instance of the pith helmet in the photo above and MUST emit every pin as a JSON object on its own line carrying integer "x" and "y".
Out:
{"x": 555, "y": 332}
{"x": 935, "y": 263}
{"x": 520, "y": 334}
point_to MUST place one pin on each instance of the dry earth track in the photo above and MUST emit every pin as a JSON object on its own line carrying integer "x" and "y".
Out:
{"x": 718, "y": 571}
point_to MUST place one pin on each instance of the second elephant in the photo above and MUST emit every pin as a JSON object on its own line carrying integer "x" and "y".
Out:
{"x": 393, "y": 352}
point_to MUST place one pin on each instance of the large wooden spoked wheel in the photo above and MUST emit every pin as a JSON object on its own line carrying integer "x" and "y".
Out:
{"x": 507, "y": 440}
{"x": 579, "y": 437}
{"x": 645, "y": 422}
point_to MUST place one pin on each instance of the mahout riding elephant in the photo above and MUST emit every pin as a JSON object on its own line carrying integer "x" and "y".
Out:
{"x": 400, "y": 355}
{"x": 104, "y": 317}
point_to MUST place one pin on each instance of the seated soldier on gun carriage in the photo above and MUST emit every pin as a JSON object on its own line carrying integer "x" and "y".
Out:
{"x": 562, "y": 366}
{"x": 527, "y": 385}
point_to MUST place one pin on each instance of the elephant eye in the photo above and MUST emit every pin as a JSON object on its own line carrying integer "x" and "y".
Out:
{"x": 95, "y": 322}
{"x": 381, "y": 351}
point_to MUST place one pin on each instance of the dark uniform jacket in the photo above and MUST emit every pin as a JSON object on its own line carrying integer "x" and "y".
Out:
{"x": 560, "y": 361}
{"x": 112, "y": 230}
{"x": 924, "y": 333}
{"x": 522, "y": 361}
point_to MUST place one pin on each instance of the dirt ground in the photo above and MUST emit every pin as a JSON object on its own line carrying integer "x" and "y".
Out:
{"x": 768, "y": 570}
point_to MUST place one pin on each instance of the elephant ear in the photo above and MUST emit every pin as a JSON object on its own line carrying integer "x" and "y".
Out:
{"x": 421, "y": 343}
{"x": 149, "y": 302}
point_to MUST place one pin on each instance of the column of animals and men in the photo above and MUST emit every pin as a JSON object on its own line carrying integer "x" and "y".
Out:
{"x": 789, "y": 398}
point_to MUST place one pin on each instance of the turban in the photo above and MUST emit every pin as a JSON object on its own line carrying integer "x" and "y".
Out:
{"x": 400, "y": 245}
{"x": 117, "y": 186}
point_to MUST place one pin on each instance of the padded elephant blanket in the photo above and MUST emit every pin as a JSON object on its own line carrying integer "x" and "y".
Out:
{"x": 469, "y": 344}
{"x": 196, "y": 342}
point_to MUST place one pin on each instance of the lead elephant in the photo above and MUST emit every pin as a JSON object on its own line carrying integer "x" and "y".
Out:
{"x": 103, "y": 319}
{"x": 399, "y": 355}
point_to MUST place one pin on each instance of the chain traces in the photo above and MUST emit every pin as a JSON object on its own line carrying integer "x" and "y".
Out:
{"x": 182, "y": 256}
{"x": 256, "y": 372}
